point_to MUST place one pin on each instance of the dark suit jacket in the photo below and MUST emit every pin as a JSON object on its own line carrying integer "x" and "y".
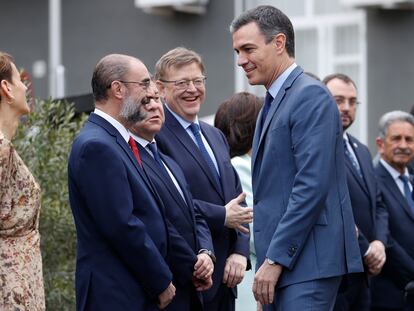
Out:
{"x": 369, "y": 210}
{"x": 123, "y": 238}
{"x": 302, "y": 212}
{"x": 388, "y": 287}
{"x": 209, "y": 197}
{"x": 181, "y": 213}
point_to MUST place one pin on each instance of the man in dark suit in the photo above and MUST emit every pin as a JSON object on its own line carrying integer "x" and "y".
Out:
{"x": 172, "y": 187}
{"x": 395, "y": 145}
{"x": 304, "y": 230}
{"x": 202, "y": 153}
{"x": 370, "y": 213}
{"x": 123, "y": 237}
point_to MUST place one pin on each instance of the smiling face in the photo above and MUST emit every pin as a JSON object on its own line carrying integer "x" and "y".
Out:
{"x": 260, "y": 61}
{"x": 184, "y": 102}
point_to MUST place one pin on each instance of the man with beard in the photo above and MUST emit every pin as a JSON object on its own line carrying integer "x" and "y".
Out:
{"x": 395, "y": 145}
{"x": 123, "y": 238}
{"x": 370, "y": 212}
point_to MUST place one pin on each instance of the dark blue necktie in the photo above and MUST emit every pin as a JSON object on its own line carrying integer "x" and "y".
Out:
{"x": 195, "y": 128}
{"x": 153, "y": 148}
{"x": 407, "y": 192}
{"x": 353, "y": 160}
{"x": 266, "y": 107}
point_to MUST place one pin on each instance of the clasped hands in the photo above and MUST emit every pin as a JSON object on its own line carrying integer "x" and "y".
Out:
{"x": 375, "y": 258}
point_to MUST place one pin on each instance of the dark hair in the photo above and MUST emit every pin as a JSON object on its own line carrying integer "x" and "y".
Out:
{"x": 6, "y": 69}
{"x": 236, "y": 118}
{"x": 110, "y": 68}
{"x": 271, "y": 21}
{"x": 341, "y": 76}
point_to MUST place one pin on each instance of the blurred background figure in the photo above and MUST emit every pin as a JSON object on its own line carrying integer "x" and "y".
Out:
{"x": 236, "y": 118}
{"x": 21, "y": 279}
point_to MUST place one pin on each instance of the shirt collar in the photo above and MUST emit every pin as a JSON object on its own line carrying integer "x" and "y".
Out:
{"x": 143, "y": 142}
{"x": 184, "y": 123}
{"x": 277, "y": 84}
{"x": 394, "y": 173}
{"x": 120, "y": 128}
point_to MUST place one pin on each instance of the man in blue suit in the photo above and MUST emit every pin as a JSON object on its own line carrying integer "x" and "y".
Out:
{"x": 395, "y": 145}
{"x": 172, "y": 187}
{"x": 202, "y": 153}
{"x": 304, "y": 230}
{"x": 123, "y": 238}
{"x": 370, "y": 213}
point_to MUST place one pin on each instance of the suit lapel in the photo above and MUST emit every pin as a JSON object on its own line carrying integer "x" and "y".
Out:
{"x": 260, "y": 132}
{"x": 127, "y": 149}
{"x": 152, "y": 165}
{"x": 177, "y": 130}
{"x": 393, "y": 189}
{"x": 351, "y": 167}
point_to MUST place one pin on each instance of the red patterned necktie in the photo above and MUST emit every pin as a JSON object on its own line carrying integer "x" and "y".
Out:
{"x": 134, "y": 148}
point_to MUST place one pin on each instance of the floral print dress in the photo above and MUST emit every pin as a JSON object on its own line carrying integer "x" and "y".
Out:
{"x": 21, "y": 279}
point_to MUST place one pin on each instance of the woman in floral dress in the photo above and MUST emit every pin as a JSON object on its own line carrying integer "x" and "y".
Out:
{"x": 21, "y": 280}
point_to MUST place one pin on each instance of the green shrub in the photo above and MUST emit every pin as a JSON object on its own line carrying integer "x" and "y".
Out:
{"x": 43, "y": 141}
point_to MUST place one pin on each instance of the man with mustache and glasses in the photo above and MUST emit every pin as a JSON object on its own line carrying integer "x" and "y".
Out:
{"x": 370, "y": 213}
{"x": 123, "y": 238}
{"x": 395, "y": 145}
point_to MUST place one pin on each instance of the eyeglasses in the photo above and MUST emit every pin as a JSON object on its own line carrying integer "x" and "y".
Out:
{"x": 352, "y": 102}
{"x": 144, "y": 84}
{"x": 185, "y": 83}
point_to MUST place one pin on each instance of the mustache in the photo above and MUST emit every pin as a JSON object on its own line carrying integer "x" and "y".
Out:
{"x": 402, "y": 151}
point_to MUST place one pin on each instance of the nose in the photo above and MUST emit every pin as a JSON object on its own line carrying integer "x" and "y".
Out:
{"x": 191, "y": 87}
{"x": 241, "y": 59}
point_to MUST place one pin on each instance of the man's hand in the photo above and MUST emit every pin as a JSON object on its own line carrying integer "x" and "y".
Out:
{"x": 204, "y": 267}
{"x": 375, "y": 258}
{"x": 237, "y": 215}
{"x": 202, "y": 284}
{"x": 265, "y": 282}
{"x": 166, "y": 296}
{"x": 234, "y": 269}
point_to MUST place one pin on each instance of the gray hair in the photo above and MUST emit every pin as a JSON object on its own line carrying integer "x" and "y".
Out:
{"x": 271, "y": 21}
{"x": 392, "y": 117}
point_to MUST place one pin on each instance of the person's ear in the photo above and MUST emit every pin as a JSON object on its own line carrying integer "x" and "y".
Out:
{"x": 280, "y": 42}
{"x": 116, "y": 89}
{"x": 6, "y": 90}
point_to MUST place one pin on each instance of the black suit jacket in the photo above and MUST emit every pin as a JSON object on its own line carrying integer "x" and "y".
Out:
{"x": 369, "y": 210}
{"x": 209, "y": 197}
{"x": 182, "y": 215}
{"x": 388, "y": 287}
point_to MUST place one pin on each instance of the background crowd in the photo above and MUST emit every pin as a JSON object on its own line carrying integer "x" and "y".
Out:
{"x": 162, "y": 201}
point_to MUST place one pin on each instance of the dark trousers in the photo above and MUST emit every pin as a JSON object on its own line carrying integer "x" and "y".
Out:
{"x": 353, "y": 293}
{"x": 223, "y": 301}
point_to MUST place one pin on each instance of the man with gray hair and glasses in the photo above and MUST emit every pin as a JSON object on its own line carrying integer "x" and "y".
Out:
{"x": 395, "y": 144}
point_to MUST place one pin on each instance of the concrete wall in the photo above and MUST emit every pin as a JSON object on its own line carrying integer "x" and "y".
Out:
{"x": 24, "y": 33}
{"x": 390, "y": 68}
{"x": 94, "y": 28}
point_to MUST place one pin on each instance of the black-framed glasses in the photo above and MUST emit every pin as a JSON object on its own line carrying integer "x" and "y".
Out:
{"x": 184, "y": 84}
{"x": 144, "y": 84}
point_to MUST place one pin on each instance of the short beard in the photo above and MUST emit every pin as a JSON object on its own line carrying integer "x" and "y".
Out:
{"x": 131, "y": 110}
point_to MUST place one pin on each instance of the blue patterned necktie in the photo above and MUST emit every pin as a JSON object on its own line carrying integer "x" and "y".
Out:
{"x": 266, "y": 107}
{"x": 195, "y": 128}
{"x": 353, "y": 160}
{"x": 407, "y": 192}
{"x": 153, "y": 148}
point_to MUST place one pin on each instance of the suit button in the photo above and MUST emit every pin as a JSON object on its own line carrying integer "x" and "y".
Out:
{"x": 255, "y": 201}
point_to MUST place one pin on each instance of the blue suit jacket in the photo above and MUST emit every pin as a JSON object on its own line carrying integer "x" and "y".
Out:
{"x": 369, "y": 210}
{"x": 387, "y": 288}
{"x": 188, "y": 222}
{"x": 123, "y": 238}
{"x": 302, "y": 213}
{"x": 209, "y": 197}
